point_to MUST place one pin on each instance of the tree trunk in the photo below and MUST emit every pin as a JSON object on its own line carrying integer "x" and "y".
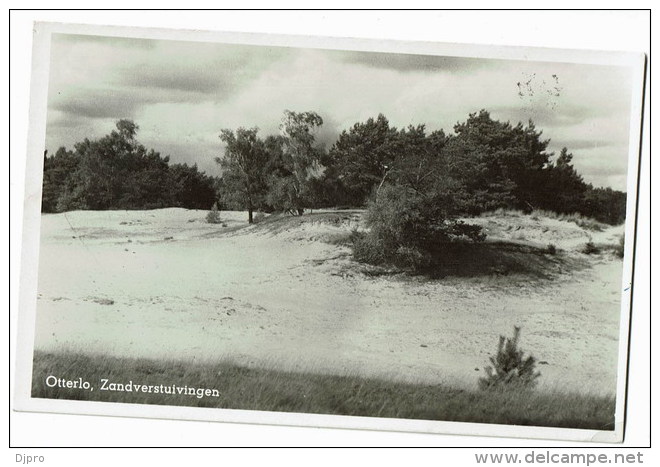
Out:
{"x": 300, "y": 211}
{"x": 250, "y": 220}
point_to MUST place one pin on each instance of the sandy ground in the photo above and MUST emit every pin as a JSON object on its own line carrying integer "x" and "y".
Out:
{"x": 166, "y": 284}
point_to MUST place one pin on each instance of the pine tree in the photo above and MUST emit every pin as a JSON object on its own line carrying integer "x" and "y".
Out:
{"x": 509, "y": 366}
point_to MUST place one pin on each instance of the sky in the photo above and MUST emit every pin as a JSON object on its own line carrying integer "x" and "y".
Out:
{"x": 181, "y": 94}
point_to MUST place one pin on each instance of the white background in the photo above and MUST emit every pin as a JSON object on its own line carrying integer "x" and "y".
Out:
{"x": 614, "y": 30}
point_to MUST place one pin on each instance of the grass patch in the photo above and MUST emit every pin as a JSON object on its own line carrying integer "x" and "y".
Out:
{"x": 590, "y": 248}
{"x": 280, "y": 391}
{"x": 586, "y": 223}
{"x": 277, "y": 223}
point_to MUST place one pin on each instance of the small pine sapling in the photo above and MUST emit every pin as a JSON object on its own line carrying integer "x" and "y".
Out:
{"x": 510, "y": 369}
{"x": 213, "y": 216}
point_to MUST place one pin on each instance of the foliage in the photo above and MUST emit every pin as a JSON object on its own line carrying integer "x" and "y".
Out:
{"x": 57, "y": 178}
{"x": 510, "y": 368}
{"x": 213, "y": 216}
{"x": 410, "y": 229}
{"x": 191, "y": 188}
{"x": 117, "y": 172}
{"x": 498, "y": 164}
{"x": 551, "y": 249}
{"x": 362, "y": 157}
{"x": 484, "y": 164}
{"x": 369, "y": 249}
{"x": 300, "y": 161}
{"x": 604, "y": 205}
{"x": 493, "y": 165}
{"x": 562, "y": 189}
{"x": 243, "y": 166}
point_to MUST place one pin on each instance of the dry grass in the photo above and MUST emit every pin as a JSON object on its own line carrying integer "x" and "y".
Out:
{"x": 586, "y": 223}
{"x": 271, "y": 390}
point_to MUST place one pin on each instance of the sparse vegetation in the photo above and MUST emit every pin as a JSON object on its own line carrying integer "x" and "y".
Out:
{"x": 327, "y": 274}
{"x": 586, "y": 223}
{"x": 213, "y": 216}
{"x": 620, "y": 247}
{"x": 551, "y": 249}
{"x": 510, "y": 368}
{"x": 590, "y": 248}
{"x": 270, "y": 390}
{"x": 536, "y": 215}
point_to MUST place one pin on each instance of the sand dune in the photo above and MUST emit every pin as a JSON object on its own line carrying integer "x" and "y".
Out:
{"x": 164, "y": 283}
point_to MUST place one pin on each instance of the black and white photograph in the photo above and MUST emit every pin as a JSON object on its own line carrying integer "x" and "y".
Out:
{"x": 260, "y": 228}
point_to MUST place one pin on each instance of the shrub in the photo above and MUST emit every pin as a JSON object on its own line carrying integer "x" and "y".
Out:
{"x": 619, "y": 249}
{"x": 551, "y": 249}
{"x": 356, "y": 235}
{"x": 590, "y": 249}
{"x": 213, "y": 216}
{"x": 412, "y": 258}
{"x": 510, "y": 369}
{"x": 368, "y": 249}
{"x": 409, "y": 229}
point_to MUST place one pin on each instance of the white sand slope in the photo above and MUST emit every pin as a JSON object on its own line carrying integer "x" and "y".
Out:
{"x": 164, "y": 283}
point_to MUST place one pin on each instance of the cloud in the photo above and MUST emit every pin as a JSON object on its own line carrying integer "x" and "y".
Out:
{"x": 101, "y": 77}
{"x": 544, "y": 115}
{"x": 182, "y": 94}
{"x": 579, "y": 144}
{"x": 99, "y": 104}
{"x": 213, "y": 68}
{"x": 193, "y": 79}
{"x": 407, "y": 62}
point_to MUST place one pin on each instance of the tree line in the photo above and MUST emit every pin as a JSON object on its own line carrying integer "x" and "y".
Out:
{"x": 483, "y": 164}
{"x": 117, "y": 172}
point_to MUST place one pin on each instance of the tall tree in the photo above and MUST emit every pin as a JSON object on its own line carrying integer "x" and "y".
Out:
{"x": 498, "y": 164}
{"x": 116, "y": 172}
{"x": 418, "y": 162}
{"x": 191, "y": 188}
{"x": 300, "y": 158}
{"x": 363, "y": 155}
{"x": 58, "y": 171}
{"x": 563, "y": 189}
{"x": 605, "y": 205}
{"x": 243, "y": 166}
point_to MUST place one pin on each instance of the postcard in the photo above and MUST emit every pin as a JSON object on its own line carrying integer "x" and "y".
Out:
{"x": 346, "y": 233}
